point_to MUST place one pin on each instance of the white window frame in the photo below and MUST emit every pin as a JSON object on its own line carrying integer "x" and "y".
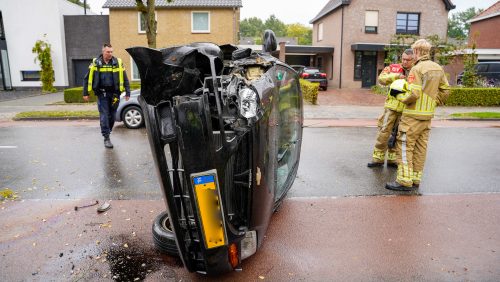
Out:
{"x": 139, "y": 23}
{"x": 320, "y": 31}
{"x": 192, "y": 25}
{"x": 132, "y": 72}
{"x": 368, "y": 16}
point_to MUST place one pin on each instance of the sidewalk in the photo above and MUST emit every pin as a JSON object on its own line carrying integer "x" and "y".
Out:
{"x": 363, "y": 104}
{"x": 333, "y": 104}
{"x": 39, "y": 102}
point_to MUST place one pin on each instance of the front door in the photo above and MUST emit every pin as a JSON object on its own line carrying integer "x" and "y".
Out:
{"x": 369, "y": 69}
{"x": 80, "y": 67}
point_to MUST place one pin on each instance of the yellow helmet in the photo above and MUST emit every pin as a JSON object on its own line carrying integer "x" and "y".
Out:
{"x": 398, "y": 86}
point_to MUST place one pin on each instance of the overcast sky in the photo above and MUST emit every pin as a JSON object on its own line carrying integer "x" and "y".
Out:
{"x": 301, "y": 11}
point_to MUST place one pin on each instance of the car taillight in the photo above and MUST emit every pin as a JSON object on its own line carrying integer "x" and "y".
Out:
{"x": 305, "y": 75}
{"x": 233, "y": 255}
{"x": 323, "y": 74}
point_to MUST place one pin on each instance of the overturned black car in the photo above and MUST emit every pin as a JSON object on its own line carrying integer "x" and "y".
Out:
{"x": 225, "y": 129}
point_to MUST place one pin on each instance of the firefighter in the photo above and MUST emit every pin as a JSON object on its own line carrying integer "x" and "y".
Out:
{"x": 392, "y": 112}
{"x": 108, "y": 79}
{"x": 428, "y": 87}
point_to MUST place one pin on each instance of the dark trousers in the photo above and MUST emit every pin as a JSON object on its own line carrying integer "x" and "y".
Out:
{"x": 106, "y": 113}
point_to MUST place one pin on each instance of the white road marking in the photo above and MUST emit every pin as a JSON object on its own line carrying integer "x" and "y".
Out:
{"x": 8, "y": 147}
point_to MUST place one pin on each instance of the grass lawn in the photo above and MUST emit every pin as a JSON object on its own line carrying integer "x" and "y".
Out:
{"x": 478, "y": 115}
{"x": 57, "y": 114}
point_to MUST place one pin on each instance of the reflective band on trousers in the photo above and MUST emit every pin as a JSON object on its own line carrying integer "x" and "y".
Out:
{"x": 405, "y": 173}
{"x": 379, "y": 155}
{"x": 391, "y": 156}
{"x": 417, "y": 176}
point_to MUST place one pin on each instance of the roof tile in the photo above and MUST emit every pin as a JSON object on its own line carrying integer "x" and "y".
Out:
{"x": 176, "y": 3}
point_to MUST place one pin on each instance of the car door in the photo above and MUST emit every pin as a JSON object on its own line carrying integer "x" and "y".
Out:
{"x": 289, "y": 131}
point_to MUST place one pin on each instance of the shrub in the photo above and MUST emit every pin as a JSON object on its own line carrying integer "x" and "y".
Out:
{"x": 379, "y": 89}
{"x": 309, "y": 91}
{"x": 474, "y": 97}
{"x": 75, "y": 95}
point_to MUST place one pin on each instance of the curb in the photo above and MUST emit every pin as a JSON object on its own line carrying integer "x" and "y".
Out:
{"x": 54, "y": 118}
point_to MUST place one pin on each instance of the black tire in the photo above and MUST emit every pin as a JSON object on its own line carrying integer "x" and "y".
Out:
{"x": 133, "y": 117}
{"x": 325, "y": 88}
{"x": 163, "y": 236}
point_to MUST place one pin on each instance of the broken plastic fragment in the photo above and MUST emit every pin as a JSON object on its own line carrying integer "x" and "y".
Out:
{"x": 104, "y": 207}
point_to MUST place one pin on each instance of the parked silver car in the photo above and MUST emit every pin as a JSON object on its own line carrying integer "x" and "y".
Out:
{"x": 130, "y": 111}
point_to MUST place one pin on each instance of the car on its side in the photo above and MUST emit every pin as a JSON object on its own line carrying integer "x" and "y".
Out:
{"x": 489, "y": 71}
{"x": 313, "y": 74}
{"x": 232, "y": 119}
{"x": 130, "y": 111}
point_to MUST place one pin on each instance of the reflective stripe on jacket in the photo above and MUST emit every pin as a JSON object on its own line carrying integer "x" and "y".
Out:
{"x": 120, "y": 80}
{"x": 386, "y": 77}
{"x": 428, "y": 88}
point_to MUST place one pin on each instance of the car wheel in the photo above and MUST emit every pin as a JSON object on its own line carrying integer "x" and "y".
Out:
{"x": 325, "y": 88}
{"x": 132, "y": 117}
{"x": 163, "y": 235}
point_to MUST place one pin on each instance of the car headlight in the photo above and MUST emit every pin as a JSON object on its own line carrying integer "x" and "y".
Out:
{"x": 248, "y": 102}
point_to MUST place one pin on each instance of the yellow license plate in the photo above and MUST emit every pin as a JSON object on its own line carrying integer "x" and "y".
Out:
{"x": 210, "y": 209}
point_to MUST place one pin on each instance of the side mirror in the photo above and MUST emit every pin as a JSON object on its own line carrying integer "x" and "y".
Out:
{"x": 269, "y": 41}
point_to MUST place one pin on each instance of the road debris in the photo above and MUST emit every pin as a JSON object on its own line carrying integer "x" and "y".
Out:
{"x": 104, "y": 207}
{"x": 86, "y": 206}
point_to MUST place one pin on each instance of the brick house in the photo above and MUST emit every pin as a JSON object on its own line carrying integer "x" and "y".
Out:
{"x": 178, "y": 22}
{"x": 484, "y": 28}
{"x": 485, "y": 34}
{"x": 359, "y": 30}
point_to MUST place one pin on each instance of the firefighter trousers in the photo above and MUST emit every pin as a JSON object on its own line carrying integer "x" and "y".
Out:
{"x": 411, "y": 147}
{"x": 385, "y": 125}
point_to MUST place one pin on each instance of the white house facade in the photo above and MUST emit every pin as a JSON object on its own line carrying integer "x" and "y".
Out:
{"x": 23, "y": 23}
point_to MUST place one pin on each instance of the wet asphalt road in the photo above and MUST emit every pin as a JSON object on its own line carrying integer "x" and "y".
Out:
{"x": 70, "y": 162}
{"x": 319, "y": 234}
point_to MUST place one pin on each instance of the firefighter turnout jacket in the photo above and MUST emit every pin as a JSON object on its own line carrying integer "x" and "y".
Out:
{"x": 106, "y": 76}
{"x": 428, "y": 88}
{"x": 388, "y": 75}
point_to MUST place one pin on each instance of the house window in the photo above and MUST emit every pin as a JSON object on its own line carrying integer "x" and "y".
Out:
{"x": 135, "y": 71}
{"x": 30, "y": 75}
{"x": 200, "y": 22}
{"x": 320, "y": 32}
{"x": 141, "y": 22}
{"x": 407, "y": 23}
{"x": 371, "y": 21}
{"x": 358, "y": 59}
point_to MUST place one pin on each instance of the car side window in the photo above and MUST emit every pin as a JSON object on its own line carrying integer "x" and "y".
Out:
{"x": 289, "y": 128}
{"x": 482, "y": 68}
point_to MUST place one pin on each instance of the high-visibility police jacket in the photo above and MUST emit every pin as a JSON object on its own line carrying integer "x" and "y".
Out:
{"x": 428, "y": 87}
{"x": 388, "y": 75}
{"x": 98, "y": 68}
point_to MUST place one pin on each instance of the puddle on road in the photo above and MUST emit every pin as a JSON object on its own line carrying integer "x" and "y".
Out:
{"x": 137, "y": 262}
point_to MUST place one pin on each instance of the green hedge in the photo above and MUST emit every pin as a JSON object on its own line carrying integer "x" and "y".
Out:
{"x": 474, "y": 97}
{"x": 75, "y": 95}
{"x": 309, "y": 91}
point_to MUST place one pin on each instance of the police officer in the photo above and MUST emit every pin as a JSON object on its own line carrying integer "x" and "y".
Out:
{"x": 428, "y": 87}
{"x": 108, "y": 79}
{"x": 392, "y": 111}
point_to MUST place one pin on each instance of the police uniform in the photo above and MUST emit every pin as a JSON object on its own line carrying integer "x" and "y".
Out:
{"x": 389, "y": 118}
{"x": 428, "y": 87}
{"x": 108, "y": 81}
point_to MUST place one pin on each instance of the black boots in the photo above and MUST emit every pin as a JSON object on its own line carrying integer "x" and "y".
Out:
{"x": 398, "y": 187}
{"x": 107, "y": 142}
{"x": 375, "y": 164}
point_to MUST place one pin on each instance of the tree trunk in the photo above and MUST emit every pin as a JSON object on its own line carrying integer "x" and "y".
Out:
{"x": 148, "y": 12}
{"x": 151, "y": 26}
